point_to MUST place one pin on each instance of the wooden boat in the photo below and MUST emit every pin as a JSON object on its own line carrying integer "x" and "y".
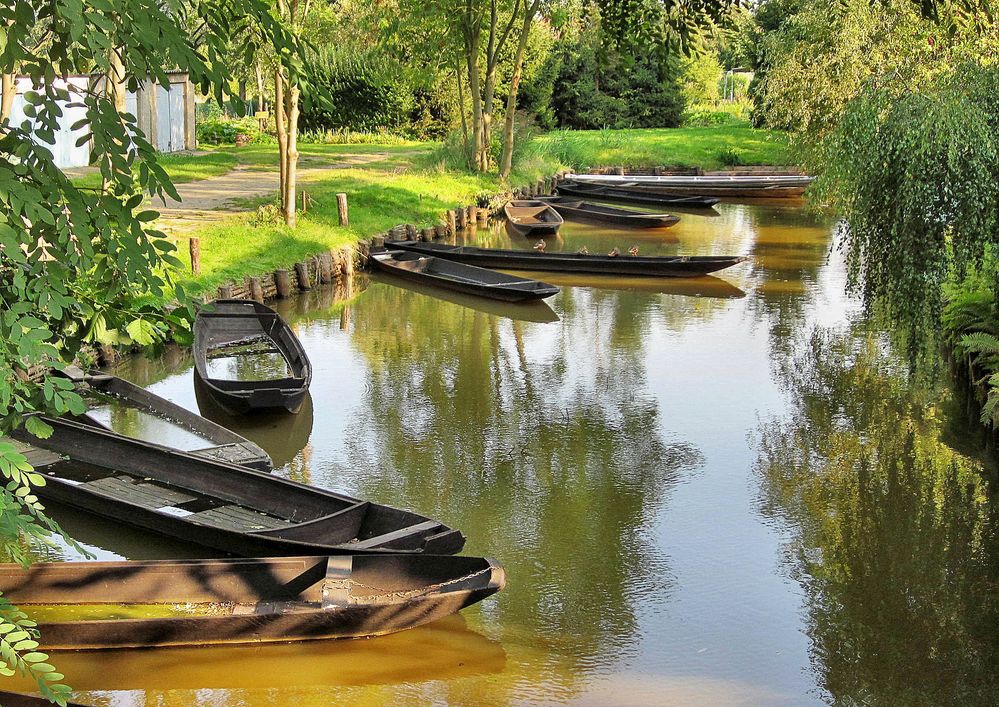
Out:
{"x": 224, "y": 506}
{"x": 578, "y": 210}
{"x": 532, "y": 218}
{"x": 751, "y": 186}
{"x": 631, "y": 196}
{"x": 538, "y": 312}
{"x": 94, "y": 605}
{"x": 226, "y": 445}
{"x": 461, "y": 278}
{"x": 646, "y": 266}
{"x": 258, "y": 341}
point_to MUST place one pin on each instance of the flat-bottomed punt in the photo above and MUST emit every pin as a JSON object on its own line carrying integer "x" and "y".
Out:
{"x": 231, "y": 508}
{"x": 224, "y": 445}
{"x": 532, "y": 218}
{"x": 645, "y": 266}
{"x": 459, "y": 277}
{"x": 97, "y": 605}
{"x": 252, "y": 338}
{"x": 732, "y": 186}
{"x": 631, "y": 196}
{"x": 578, "y": 210}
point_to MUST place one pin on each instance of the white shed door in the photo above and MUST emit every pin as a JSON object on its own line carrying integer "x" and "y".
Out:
{"x": 163, "y": 121}
{"x": 176, "y": 117}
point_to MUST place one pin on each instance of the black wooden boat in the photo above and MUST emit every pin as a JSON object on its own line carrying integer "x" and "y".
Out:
{"x": 577, "y": 210}
{"x": 461, "y": 278}
{"x": 725, "y": 186}
{"x": 224, "y": 506}
{"x": 269, "y": 367}
{"x": 646, "y": 266}
{"x": 225, "y": 445}
{"x": 532, "y": 218}
{"x": 608, "y": 193}
{"x": 93, "y": 605}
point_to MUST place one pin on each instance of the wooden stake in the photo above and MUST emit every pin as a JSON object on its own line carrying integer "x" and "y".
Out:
{"x": 256, "y": 289}
{"x": 195, "y": 247}
{"x": 427, "y": 234}
{"x": 452, "y": 223}
{"x": 325, "y": 268}
{"x": 460, "y": 217}
{"x": 302, "y": 271}
{"x": 282, "y": 283}
{"x": 341, "y": 207}
{"x": 411, "y": 232}
{"x": 225, "y": 291}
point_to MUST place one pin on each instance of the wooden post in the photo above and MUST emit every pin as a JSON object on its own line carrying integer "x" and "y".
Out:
{"x": 302, "y": 271}
{"x": 377, "y": 242}
{"x": 195, "y": 247}
{"x": 225, "y": 291}
{"x": 471, "y": 211}
{"x": 427, "y": 234}
{"x": 539, "y": 188}
{"x": 483, "y": 216}
{"x": 411, "y": 232}
{"x": 452, "y": 223}
{"x": 305, "y": 202}
{"x": 440, "y": 230}
{"x": 256, "y": 289}
{"x": 106, "y": 354}
{"x": 325, "y": 268}
{"x": 282, "y": 283}
{"x": 459, "y": 219}
{"x": 341, "y": 207}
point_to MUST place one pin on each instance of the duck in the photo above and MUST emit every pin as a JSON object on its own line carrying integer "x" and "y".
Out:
{"x": 633, "y": 250}
{"x": 540, "y": 246}
{"x": 614, "y": 253}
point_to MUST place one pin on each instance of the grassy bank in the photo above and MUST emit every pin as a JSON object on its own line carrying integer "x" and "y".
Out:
{"x": 408, "y": 183}
{"x": 707, "y": 147}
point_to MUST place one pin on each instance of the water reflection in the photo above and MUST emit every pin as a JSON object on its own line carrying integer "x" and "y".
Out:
{"x": 894, "y": 534}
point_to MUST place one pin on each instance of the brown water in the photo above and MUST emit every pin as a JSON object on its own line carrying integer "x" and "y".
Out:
{"x": 705, "y": 491}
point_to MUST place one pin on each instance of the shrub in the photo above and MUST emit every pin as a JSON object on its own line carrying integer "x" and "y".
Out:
{"x": 222, "y": 130}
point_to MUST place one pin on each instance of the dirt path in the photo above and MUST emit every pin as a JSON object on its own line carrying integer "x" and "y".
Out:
{"x": 202, "y": 201}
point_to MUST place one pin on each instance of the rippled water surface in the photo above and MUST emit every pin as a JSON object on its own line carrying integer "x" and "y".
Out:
{"x": 705, "y": 491}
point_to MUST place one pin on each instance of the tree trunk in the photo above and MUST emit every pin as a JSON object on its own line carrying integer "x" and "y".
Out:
{"x": 9, "y": 90}
{"x": 282, "y": 131}
{"x": 116, "y": 80}
{"x": 461, "y": 104}
{"x": 291, "y": 170}
{"x": 506, "y": 160}
{"x": 475, "y": 92}
{"x": 260, "y": 85}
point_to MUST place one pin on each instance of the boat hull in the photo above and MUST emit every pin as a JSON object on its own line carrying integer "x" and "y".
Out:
{"x": 622, "y": 218}
{"x": 254, "y": 600}
{"x": 465, "y": 278}
{"x": 648, "y": 266}
{"x": 627, "y": 196}
{"x": 223, "y": 506}
{"x": 232, "y": 321}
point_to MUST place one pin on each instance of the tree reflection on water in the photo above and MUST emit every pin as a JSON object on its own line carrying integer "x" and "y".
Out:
{"x": 894, "y": 534}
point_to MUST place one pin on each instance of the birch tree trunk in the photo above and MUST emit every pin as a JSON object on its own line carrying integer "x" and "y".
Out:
{"x": 9, "y": 91}
{"x": 282, "y": 133}
{"x": 291, "y": 155}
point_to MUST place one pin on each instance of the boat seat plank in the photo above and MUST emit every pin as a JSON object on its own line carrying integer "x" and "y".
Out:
{"x": 235, "y": 453}
{"x": 37, "y": 457}
{"x": 239, "y": 518}
{"x": 395, "y": 535}
{"x": 223, "y": 353}
{"x": 141, "y": 493}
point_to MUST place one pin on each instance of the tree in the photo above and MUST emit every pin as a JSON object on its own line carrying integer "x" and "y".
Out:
{"x": 82, "y": 267}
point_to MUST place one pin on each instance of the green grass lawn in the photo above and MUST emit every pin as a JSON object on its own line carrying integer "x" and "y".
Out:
{"x": 410, "y": 183}
{"x": 709, "y": 147}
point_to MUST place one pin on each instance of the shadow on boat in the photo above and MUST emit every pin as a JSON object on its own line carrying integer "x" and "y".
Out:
{"x": 702, "y": 286}
{"x": 537, "y": 311}
{"x": 280, "y": 434}
{"x": 443, "y": 650}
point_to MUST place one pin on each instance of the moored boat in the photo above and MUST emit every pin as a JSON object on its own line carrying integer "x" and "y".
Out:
{"x": 731, "y": 186}
{"x": 646, "y": 266}
{"x": 95, "y": 605}
{"x": 223, "y": 506}
{"x": 578, "y": 210}
{"x": 459, "y": 277}
{"x": 210, "y": 440}
{"x": 249, "y": 358}
{"x": 631, "y": 196}
{"x": 532, "y": 218}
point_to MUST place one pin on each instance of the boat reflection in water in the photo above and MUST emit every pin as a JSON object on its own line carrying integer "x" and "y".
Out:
{"x": 281, "y": 435}
{"x": 442, "y": 651}
{"x": 703, "y": 286}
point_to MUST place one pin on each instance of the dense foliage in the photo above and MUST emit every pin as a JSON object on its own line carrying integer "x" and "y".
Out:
{"x": 84, "y": 266}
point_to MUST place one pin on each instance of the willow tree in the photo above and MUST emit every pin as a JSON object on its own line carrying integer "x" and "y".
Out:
{"x": 83, "y": 266}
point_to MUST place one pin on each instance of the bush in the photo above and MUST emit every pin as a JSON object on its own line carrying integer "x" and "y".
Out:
{"x": 222, "y": 130}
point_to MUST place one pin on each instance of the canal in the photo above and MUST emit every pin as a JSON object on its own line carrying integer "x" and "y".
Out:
{"x": 707, "y": 491}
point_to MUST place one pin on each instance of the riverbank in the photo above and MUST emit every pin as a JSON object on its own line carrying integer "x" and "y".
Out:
{"x": 389, "y": 184}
